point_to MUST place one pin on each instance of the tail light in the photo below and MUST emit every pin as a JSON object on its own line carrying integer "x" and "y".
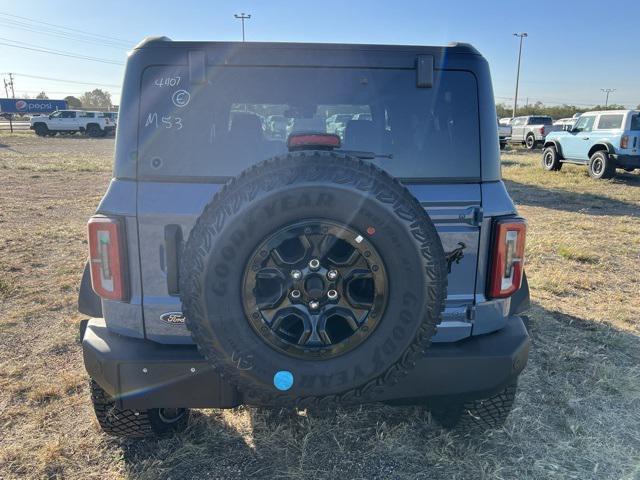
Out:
{"x": 508, "y": 257}
{"x": 624, "y": 141}
{"x": 107, "y": 256}
{"x": 542, "y": 131}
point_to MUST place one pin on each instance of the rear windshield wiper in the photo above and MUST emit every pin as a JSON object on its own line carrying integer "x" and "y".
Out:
{"x": 366, "y": 155}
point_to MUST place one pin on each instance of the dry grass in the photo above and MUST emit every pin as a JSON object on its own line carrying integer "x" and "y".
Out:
{"x": 583, "y": 242}
{"x": 578, "y": 408}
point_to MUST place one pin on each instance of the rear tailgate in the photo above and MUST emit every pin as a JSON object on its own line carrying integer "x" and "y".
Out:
{"x": 163, "y": 206}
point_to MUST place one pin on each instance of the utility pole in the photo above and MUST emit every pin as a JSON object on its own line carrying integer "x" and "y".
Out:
{"x": 13, "y": 93}
{"x": 242, "y": 17}
{"x": 515, "y": 102}
{"x": 607, "y": 91}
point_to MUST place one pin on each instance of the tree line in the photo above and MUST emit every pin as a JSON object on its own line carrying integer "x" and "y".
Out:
{"x": 95, "y": 99}
{"x": 556, "y": 111}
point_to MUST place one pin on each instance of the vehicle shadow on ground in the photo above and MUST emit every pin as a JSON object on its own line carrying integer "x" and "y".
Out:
{"x": 82, "y": 137}
{"x": 573, "y": 363}
{"x": 4, "y": 145}
{"x": 582, "y": 202}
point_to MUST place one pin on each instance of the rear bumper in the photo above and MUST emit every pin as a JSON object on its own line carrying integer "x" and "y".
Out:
{"x": 142, "y": 374}
{"x": 627, "y": 161}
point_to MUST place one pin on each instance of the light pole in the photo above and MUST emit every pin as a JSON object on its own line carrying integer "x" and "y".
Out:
{"x": 607, "y": 91}
{"x": 242, "y": 17}
{"x": 515, "y": 102}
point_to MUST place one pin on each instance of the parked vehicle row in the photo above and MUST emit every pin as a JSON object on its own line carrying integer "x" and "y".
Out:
{"x": 278, "y": 126}
{"x": 94, "y": 124}
{"x": 529, "y": 131}
{"x": 603, "y": 141}
{"x": 567, "y": 123}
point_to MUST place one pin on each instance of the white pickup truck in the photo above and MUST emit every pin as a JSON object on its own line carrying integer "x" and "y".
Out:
{"x": 94, "y": 124}
{"x": 504, "y": 134}
{"x": 531, "y": 131}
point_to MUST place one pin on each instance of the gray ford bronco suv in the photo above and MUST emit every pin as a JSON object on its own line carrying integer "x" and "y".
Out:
{"x": 233, "y": 262}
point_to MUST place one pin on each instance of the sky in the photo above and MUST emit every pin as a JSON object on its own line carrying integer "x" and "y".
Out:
{"x": 573, "y": 49}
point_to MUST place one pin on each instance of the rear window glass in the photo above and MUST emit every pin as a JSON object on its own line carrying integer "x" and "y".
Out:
{"x": 243, "y": 115}
{"x": 610, "y": 121}
{"x": 635, "y": 122}
{"x": 540, "y": 121}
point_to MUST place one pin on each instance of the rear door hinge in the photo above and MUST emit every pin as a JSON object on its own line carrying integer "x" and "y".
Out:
{"x": 471, "y": 216}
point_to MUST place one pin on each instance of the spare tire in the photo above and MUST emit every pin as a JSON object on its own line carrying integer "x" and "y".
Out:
{"x": 313, "y": 278}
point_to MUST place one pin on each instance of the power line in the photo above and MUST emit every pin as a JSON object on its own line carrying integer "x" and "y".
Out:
{"x": 50, "y": 92}
{"x": 59, "y": 34}
{"x": 67, "y": 81}
{"x": 106, "y": 37}
{"x": 62, "y": 53}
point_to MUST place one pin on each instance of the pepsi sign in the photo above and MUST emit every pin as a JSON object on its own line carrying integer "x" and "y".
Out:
{"x": 30, "y": 105}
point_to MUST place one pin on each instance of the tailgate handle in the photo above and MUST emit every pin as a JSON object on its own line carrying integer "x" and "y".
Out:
{"x": 173, "y": 249}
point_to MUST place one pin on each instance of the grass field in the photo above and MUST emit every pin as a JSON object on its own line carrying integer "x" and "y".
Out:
{"x": 577, "y": 413}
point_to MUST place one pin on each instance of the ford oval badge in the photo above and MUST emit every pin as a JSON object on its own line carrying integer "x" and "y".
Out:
{"x": 173, "y": 318}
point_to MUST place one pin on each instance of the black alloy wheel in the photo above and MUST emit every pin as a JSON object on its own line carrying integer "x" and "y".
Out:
{"x": 315, "y": 289}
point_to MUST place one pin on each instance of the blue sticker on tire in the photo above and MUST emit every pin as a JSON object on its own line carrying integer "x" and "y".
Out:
{"x": 283, "y": 380}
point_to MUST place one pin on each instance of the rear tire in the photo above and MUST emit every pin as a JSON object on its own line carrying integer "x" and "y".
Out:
{"x": 94, "y": 131}
{"x": 305, "y": 193}
{"x": 530, "y": 142}
{"x": 135, "y": 424}
{"x": 41, "y": 129}
{"x": 486, "y": 414}
{"x": 551, "y": 160}
{"x": 601, "y": 166}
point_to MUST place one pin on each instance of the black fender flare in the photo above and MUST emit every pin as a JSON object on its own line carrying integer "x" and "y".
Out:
{"x": 599, "y": 146}
{"x": 520, "y": 301}
{"x": 554, "y": 143}
{"x": 89, "y": 302}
